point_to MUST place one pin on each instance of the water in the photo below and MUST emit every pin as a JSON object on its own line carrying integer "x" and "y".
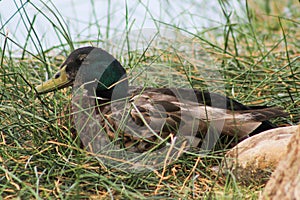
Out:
{"x": 88, "y": 20}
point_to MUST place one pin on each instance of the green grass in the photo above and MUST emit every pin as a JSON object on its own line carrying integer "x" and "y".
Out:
{"x": 40, "y": 156}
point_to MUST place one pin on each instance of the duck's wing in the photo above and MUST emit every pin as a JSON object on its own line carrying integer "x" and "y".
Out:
{"x": 219, "y": 101}
{"x": 157, "y": 113}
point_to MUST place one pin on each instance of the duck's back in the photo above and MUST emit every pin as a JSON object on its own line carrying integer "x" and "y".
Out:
{"x": 150, "y": 114}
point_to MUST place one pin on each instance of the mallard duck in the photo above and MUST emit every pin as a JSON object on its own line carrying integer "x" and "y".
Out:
{"x": 140, "y": 118}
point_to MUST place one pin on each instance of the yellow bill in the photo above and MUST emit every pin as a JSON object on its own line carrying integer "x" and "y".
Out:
{"x": 58, "y": 81}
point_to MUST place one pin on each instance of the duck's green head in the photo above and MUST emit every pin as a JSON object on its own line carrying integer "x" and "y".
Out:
{"x": 88, "y": 64}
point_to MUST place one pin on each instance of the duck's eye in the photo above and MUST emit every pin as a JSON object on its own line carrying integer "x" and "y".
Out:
{"x": 57, "y": 75}
{"x": 78, "y": 61}
{"x": 80, "y": 58}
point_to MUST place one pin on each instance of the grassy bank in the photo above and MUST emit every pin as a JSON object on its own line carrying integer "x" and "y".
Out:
{"x": 245, "y": 58}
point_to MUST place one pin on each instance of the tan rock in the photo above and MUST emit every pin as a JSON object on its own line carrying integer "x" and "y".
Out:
{"x": 257, "y": 156}
{"x": 285, "y": 180}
